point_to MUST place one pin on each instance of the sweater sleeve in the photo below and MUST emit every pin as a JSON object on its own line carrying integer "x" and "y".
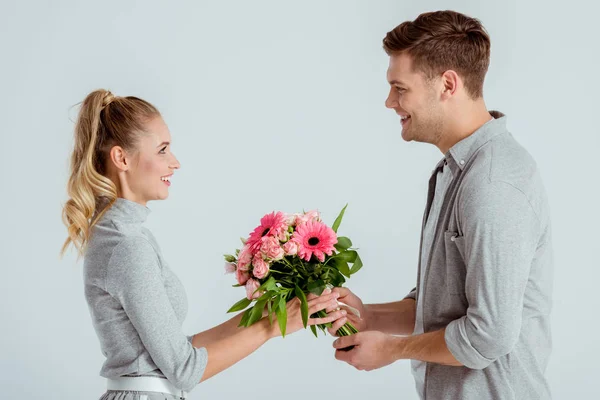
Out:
{"x": 500, "y": 239}
{"x": 134, "y": 279}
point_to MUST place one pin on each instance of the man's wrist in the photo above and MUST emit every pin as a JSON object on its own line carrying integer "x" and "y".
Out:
{"x": 368, "y": 317}
{"x": 398, "y": 347}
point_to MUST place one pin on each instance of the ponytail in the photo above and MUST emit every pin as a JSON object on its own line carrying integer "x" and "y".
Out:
{"x": 104, "y": 121}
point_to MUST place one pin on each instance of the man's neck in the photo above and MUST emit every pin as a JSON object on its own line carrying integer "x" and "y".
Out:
{"x": 464, "y": 123}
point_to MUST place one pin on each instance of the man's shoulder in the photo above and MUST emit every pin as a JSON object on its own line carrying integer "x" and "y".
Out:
{"x": 502, "y": 172}
{"x": 502, "y": 159}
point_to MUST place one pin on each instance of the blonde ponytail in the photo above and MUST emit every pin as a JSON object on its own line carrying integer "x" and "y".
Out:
{"x": 104, "y": 121}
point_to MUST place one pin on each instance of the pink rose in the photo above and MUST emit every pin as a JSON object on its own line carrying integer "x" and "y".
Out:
{"x": 229, "y": 268}
{"x": 245, "y": 258}
{"x": 261, "y": 267}
{"x": 271, "y": 248}
{"x": 290, "y": 248}
{"x": 251, "y": 287}
{"x": 242, "y": 276}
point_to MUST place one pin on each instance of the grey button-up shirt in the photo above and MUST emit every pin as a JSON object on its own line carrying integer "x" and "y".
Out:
{"x": 488, "y": 277}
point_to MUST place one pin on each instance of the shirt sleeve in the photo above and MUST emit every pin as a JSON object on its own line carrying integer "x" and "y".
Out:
{"x": 134, "y": 278}
{"x": 501, "y": 231}
{"x": 411, "y": 295}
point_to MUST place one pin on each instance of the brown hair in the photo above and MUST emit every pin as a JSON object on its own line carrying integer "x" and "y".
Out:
{"x": 104, "y": 121}
{"x": 443, "y": 40}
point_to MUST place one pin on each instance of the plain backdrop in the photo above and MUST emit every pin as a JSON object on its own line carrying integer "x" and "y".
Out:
{"x": 276, "y": 105}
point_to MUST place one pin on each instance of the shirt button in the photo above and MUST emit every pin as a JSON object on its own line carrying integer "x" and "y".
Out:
{"x": 462, "y": 162}
{"x": 453, "y": 238}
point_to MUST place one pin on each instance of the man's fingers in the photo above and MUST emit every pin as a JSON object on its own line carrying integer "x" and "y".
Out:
{"x": 312, "y": 296}
{"x": 342, "y": 291}
{"x": 337, "y": 325}
{"x": 346, "y": 341}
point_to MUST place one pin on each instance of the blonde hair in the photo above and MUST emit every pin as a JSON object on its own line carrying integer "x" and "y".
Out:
{"x": 104, "y": 121}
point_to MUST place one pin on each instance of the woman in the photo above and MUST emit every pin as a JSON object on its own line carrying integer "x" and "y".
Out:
{"x": 122, "y": 160}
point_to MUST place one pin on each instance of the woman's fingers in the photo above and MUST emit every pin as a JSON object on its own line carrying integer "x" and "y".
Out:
{"x": 337, "y": 315}
{"x": 322, "y": 303}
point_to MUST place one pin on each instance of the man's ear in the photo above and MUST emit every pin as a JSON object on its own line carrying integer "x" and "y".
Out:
{"x": 451, "y": 83}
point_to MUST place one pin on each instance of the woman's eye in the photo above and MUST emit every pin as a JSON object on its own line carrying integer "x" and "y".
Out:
{"x": 162, "y": 151}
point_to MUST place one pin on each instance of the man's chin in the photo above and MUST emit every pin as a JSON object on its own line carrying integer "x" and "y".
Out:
{"x": 407, "y": 136}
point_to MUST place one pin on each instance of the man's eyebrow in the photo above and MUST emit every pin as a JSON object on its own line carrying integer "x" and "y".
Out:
{"x": 396, "y": 82}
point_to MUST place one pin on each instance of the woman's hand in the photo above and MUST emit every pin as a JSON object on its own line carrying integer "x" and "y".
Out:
{"x": 327, "y": 302}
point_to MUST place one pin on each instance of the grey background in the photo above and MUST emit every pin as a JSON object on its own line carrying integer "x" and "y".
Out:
{"x": 240, "y": 84}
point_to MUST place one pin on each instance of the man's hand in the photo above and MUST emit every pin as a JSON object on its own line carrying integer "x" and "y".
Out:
{"x": 372, "y": 350}
{"x": 349, "y": 298}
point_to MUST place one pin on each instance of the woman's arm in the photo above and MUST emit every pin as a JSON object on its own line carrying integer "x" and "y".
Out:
{"x": 222, "y": 331}
{"x": 237, "y": 343}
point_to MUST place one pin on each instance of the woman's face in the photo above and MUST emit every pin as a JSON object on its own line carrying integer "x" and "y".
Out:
{"x": 148, "y": 177}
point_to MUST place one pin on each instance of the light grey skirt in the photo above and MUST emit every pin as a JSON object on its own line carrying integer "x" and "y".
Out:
{"x": 134, "y": 395}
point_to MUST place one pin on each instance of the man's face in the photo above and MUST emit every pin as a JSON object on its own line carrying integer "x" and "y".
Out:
{"x": 416, "y": 100}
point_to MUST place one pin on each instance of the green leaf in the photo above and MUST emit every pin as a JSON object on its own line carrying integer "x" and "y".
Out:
{"x": 229, "y": 258}
{"x": 357, "y": 265}
{"x": 343, "y": 243}
{"x": 257, "y": 311}
{"x": 348, "y": 256}
{"x": 269, "y": 284}
{"x": 316, "y": 287}
{"x": 303, "y": 305}
{"x": 338, "y": 220}
{"x": 245, "y": 317}
{"x": 281, "y": 312}
{"x": 240, "y": 305}
{"x": 269, "y": 307}
{"x": 314, "y": 330}
{"x": 342, "y": 266}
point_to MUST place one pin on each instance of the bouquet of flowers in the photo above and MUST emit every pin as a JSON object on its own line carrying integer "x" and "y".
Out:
{"x": 287, "y": 256}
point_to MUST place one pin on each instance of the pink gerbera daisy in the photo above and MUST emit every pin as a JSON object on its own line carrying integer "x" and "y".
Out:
{"x": 274, "y": 224}
{"x": 315, "y": 238}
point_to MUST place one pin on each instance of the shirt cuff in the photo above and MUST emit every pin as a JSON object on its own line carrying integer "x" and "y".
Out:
{"x": 457, "y": 341}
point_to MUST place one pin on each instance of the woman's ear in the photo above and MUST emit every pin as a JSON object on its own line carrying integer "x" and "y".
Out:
{"x": 119, "y": 157}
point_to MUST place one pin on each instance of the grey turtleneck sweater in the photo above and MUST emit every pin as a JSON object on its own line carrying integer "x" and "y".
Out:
{"x": 136, "y": 302}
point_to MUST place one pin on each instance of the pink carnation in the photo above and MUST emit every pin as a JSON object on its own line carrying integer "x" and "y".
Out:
{"x": 245, "y": 258}
{"x": 229, "y": 268}
{"x": 251, "y": 286}
{"x": 261, "y": 267}
{"x": 311, "y": 216}
{"x": 290, "y": 248}
{"x": 271, "y": 248}
{"x": 242, "y": 276}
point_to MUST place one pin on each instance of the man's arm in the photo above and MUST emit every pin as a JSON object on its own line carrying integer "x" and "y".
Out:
{"x": 501, "y": 235}
{"x": 374, "y": 350}
{"x": 397, "y": 318}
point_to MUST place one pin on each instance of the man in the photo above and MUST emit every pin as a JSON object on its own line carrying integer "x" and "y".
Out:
{"x": 478, "y": 318}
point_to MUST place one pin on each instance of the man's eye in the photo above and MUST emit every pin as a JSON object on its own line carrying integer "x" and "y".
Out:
{"x": 400, "y": 90}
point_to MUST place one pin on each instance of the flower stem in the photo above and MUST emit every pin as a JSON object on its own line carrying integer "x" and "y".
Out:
{"x": 346, "y": 330}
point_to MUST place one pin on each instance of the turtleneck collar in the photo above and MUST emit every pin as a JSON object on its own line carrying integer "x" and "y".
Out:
{"x": 127, "y": 210}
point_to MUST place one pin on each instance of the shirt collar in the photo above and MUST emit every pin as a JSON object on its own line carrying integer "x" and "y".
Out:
{"x": 460, "y": 154}
{"x": 127, "y": 210}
